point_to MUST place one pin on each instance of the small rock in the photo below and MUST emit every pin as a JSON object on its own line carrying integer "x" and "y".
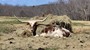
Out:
{"x": 50, "y": 38}
{"x": 67, "y": 45}
{"x": 10, "y": 42}
{"x": 41, "y": 49}
{"x": 82, "y": 41}
{"x": 86, "y": 37}
{"x": 45, "y": 43}
{"x": 1, "y": 44}
{"x": 70, "y": 36}
{"x": 78, "y": 39}
{"x": 10, "y": 38}
{"x": 81, "y": 45}
{"x": 73, "y": 47}
{"x": 32, "y": 40}
{"x": 30, "y": 46}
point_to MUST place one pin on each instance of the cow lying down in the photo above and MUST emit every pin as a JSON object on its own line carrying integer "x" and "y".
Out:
{"x": 55, "y": 32}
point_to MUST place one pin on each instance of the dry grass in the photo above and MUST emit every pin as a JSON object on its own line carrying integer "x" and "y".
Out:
{"x": 81, "y": 26}
{"x": 10, "y": 41}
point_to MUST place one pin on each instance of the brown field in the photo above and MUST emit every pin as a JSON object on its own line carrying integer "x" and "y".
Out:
{"x": 11, "y": 40}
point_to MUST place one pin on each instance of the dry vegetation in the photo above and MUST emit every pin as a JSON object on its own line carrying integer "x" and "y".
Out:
{"x": 10, "y": 40}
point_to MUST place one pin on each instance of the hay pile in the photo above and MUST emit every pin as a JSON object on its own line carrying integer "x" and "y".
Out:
{"x": 23, "y": 31}
{"x": 51, "y": 19}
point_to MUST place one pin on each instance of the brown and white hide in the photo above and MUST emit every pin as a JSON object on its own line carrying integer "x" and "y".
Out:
{"x": 66, "y": 32}
{"x": 55, "y": 32}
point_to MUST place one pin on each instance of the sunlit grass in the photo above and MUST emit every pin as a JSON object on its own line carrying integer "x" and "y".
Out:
{"x": 6, "y": 28}
{"x": 6, "y": 24}
{"x": 80, "y": 23}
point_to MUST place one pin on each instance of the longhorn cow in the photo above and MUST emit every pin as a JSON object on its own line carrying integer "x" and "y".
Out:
{"x": 33, "y": 24}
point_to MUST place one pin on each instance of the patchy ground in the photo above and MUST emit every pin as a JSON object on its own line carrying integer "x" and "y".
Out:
{"x": 74, "y": 42}
{"x": 9, "y": 40}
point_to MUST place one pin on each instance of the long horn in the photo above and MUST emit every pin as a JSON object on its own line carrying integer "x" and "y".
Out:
{"x": 41, "y": 20}
{"x": 30, "y": 20}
